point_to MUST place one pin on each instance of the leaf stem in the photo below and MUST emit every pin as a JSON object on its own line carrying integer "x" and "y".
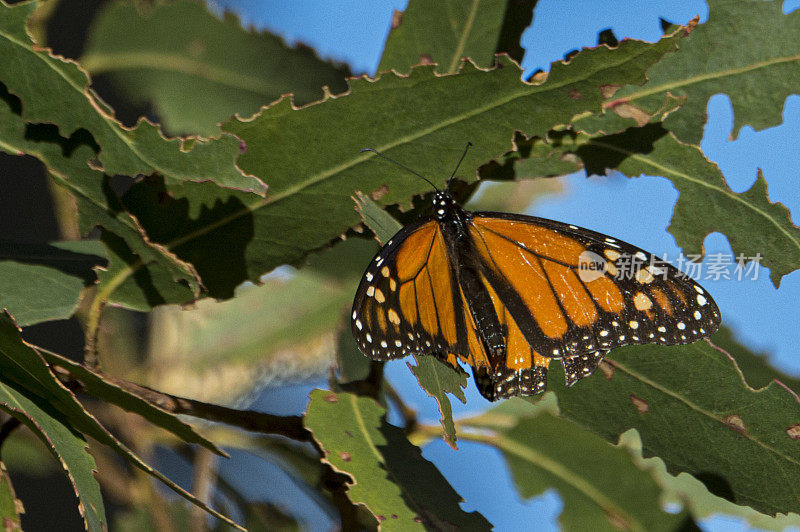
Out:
{"x": 408, "y": 413}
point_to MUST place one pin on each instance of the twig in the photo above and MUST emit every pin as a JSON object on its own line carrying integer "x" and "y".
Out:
{"x": 115, "y": 480}
{"x": 90, "y": 357}
{"x": 408, "y": 413}
{"x": 205, "y": 473}
{"x": 251, "y": 420}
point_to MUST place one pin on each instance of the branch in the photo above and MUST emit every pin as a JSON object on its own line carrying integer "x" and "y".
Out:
{"x": 250, "y": 420}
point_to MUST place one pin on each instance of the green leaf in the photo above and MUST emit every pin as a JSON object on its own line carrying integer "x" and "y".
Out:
{"x": 444, "y": 32}
{"x": 10, "y": 506}
{"x": 756, "y": 367}
{"x": 66, "y": 444}
{"x": 438, "y": 379}
{"x": 544, "y": 452}
{"x": 42, "y": 282}
{"x": 728, "y": 54}
{"x": 34, "y": 76}
{"x": 199, "y": 70}
{"x": 693, "y": 410}
{"x": 106, "y": 388}
{"x": 754, "y": 225}
{"x": 382, "y": 224}
{"x": 308, "y": 203}
{"x": 403, "y": 490}
{"x": 690, "y": 492}
{"x": 23, "y": 368}
{"x": 98, "y": 206}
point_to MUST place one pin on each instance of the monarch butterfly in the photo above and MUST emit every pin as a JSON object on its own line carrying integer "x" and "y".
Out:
{"x": 507, "y": 293}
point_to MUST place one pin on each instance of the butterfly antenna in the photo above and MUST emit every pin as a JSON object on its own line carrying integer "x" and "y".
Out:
{"x": 404, "y": 167}
{"x": 466, "y": 149}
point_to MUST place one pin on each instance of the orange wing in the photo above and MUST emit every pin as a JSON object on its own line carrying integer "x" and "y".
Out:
{"x": 406, "y": 300}
{"x": 574, "y": 294}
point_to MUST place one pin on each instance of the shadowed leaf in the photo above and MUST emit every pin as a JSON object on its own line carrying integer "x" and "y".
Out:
{"x": 34, "y": 76}
{"x": 198, "y": 69}
{"x": 165, "y": 277}
{"x": 518, "y": 16}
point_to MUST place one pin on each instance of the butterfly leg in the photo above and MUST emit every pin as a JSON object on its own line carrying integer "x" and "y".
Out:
{"x": 580, "y": 366}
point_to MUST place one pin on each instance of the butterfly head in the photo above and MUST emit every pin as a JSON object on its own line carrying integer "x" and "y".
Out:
{"x": 444, "y": 205}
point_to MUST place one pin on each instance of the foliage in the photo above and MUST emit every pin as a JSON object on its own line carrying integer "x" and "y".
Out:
{"x": 265, "y": 183}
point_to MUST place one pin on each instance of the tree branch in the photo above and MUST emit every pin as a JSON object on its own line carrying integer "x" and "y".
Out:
{"x": 250, "y": 420}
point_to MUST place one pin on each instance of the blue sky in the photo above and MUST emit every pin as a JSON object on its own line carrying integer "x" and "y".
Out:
{"x": 635, "y": 210}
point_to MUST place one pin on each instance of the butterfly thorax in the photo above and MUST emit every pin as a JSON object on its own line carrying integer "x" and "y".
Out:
{"x": 453, "y": 219}
{"x": 467, "y": 270}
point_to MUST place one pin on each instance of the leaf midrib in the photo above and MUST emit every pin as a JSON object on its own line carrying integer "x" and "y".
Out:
{"x": 697, "y": 408}
{"x": 542, "y": 461}
{"x": 462, "y": 40}
{"x": 98, "y": 63}
{"x": 376, "y": 453}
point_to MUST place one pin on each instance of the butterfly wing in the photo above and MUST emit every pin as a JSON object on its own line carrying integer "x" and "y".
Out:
{"x": 556, "y": 291}
{"x": 408, "y": 299}
{"x": 575, "y": 294}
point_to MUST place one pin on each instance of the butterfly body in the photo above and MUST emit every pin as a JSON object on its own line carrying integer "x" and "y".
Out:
{"x": 507, "y": 293}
